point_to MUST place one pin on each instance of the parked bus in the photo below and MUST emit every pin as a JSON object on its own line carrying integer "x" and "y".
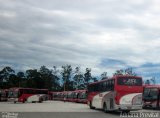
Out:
{"x": 151, "y": 96}
{"x": 27, "y": 95}
{"x": 55, "y": 95}
{"x": 3, "y": 94}
{"x": 119, "y": 93}
{"x": 82, "y": 96}
{"x": 50, "y": 95}
{"x": 71, "y": 96}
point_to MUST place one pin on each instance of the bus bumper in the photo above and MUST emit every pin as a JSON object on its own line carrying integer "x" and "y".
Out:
{"x": 128, "y": 107}
{"x": 12, "y": 99}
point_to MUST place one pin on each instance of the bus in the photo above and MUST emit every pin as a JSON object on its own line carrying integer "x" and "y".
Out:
{"x": 82, "y": 96}
{"x": 27, "y": 95}
{"x": 4, "y": 95}
{"x": 71, "y": 96}
{"x": 119, "y": 93}
{"x": 151, "y": 96}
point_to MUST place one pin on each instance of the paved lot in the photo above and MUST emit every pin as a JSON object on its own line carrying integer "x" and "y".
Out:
{"x": 47, "y": 106}
{"x": 57, "y": 109}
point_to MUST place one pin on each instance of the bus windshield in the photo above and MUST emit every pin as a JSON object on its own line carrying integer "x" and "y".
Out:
{"x": 150, "y": 93}
{"x": 130, "y": 81}
{"x": 13, "y": 94}
{"x": 83, "y": 95}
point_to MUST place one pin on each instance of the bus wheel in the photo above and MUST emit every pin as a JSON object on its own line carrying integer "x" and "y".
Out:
{"x": 90, "y": 105}
{"x": 40, "y": 101}
{"x": 105, "y": 107}
{"x": 125, "y": 111}
{"x": 24, "y": 100}
{"x": 14, "y": 102}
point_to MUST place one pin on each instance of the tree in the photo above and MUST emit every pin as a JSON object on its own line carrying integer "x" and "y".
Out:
{"x": 78, "y": 78}
{"x": 46, "y": 76}
{"x": 87, "y": 76}
{"x": 5, "y": 74}
{"x": 55, "y": 80}
{"x": 34, "y": 79}
{"x": 104, "y": 75}
{"x": 21, "y": 79}
{"x": 66, "y": 75}
{"x": 13, "y": 81}
{"x": 153, "y": 80}
{"x": 94, "y": 79}
{"x": 147, "y": 82}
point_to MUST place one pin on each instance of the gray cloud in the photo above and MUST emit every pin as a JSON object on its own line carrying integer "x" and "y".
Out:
{"x": 83, "y": 33}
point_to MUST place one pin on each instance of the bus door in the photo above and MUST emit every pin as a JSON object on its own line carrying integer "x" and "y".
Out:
{"x": 97, "y": 100}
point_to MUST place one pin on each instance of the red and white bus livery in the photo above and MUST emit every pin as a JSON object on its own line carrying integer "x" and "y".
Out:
{"x": 119, "y": 93}
{"x": 4, "y": 95}
{"x": 151, "y": 96}
{"x": 82, "y": 96}
{"x": 27, "y": 95}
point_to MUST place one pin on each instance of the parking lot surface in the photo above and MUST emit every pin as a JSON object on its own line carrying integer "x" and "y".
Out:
{"x": 57, "y": 109}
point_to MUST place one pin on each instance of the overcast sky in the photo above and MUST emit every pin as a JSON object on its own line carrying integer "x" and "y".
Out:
{"x": 104, "y": 35}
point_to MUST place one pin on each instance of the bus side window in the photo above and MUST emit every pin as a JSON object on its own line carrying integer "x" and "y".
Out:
{"x": 112, "y": 85}
{"x": 106, "y": 85}
{"x": 97, "y": 87}
{"x": 109, "y": 85}
{"x": 100, "y": 87}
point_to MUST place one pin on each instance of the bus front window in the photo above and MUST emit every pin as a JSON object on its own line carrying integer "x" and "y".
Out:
{"x": 150, "y": 93}
{"x": 13, "y": 94}
{"x": 84, "y": 95}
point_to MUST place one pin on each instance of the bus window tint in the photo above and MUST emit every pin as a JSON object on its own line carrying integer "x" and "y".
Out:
{"x": 150, "y": 93}
{"x": 130, "y": 81}
{"x": 146, "y": 92}
{"x": 10, "y": 94}
{"x": 102, "y": 86}
{"x": 83, "y": 95}
{"x": 154, "y": 93}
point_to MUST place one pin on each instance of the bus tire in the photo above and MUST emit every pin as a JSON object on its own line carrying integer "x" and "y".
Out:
{"x": 40, "y": 101}
{"x": 14, "y": 102}
{"x": 105, "y": 107}
{"x": 90, "y": 105}
{"x": 126, "y": 111}
{"x": 24, "y": 100}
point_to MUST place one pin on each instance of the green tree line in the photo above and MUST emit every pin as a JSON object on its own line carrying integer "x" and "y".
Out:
{"x": 64, "y": 78}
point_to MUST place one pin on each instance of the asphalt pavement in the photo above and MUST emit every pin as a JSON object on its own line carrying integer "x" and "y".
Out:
{"x": 59, "y": 109}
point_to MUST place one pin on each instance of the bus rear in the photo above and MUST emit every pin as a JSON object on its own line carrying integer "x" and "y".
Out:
{"x": 119, "y": 93}
{"x": 128, "y": 93}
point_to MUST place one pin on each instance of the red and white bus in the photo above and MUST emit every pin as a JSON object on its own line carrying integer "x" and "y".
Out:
{"x": 27, "y": 95}
{"x": 82, "y": 96}
{"x": 71, "y": 96}
{"x": 119, "y": 93}
{"x": 4, "y": 95}
{"x": 151, "y": 96}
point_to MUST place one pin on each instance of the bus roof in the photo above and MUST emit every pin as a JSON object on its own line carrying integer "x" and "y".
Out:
{"x": 116, "y": 76}
{"x": 17, "y": 88}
